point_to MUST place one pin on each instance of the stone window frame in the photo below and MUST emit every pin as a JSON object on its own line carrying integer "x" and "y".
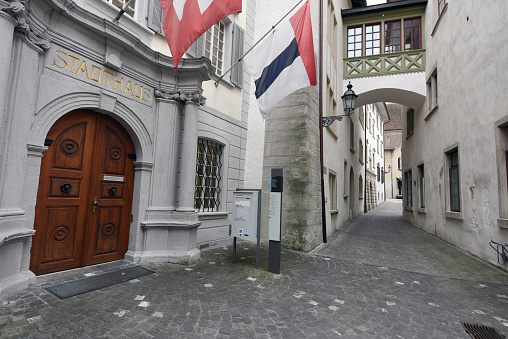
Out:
{"x": 208, "y": 186}
{"x": 332, "y": 182}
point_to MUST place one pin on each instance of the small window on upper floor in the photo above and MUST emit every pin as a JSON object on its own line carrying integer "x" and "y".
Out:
{"x": 214, "y": 46}
{"x": 432, "y": 102}
{"x": 392, "y": 36}
{"x": 453, "y": 178}
{"x": 354, "y": 41}
{"x": 440, "y": 6}
{"x": 373, "y": 39}
{"x": 120, "y": 3}
{"x": 332, "y": 30}
{"x": 351, "y": 136}
{"x": 410, "y": 120}
{"x": 412, "y": 34}
{"x": 346, "y": 189}
{"x": 408, "y": 188}
{"x": 360, "y": 151}
{"x": 421, "y": 177}
{"x": 332, "y": 181}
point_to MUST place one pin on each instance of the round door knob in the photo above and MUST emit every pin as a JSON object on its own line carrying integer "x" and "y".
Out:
{"x": 112, "y": 190}
{"x": 66, "y": 188}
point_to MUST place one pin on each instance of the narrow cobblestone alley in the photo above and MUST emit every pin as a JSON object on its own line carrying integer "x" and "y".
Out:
{"x": 379, "y": 278}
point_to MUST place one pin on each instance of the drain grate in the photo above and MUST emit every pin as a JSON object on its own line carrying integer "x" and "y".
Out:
{"x": 482, "y": 332}
{"x": 73, "y": 288}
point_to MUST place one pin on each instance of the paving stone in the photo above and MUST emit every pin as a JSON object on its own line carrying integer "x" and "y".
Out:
{"x": 356, "y": 272}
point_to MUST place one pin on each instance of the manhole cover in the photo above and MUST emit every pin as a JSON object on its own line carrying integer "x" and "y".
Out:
{"x": 482, "y": 332}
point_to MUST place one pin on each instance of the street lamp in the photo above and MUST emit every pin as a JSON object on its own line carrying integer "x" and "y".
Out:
{"x": 349, "y": 102}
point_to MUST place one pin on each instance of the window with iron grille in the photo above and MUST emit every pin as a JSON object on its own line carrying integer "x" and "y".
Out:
{"x": 208, "y": 176}
{"x": 214, "y": 46}
{"x": 120, "y": 3}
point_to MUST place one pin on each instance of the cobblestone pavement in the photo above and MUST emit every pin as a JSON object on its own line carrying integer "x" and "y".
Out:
{"x": 379, "y": 278}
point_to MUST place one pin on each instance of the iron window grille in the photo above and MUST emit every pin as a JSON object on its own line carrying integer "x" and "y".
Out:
{"x": 208, "y": 176}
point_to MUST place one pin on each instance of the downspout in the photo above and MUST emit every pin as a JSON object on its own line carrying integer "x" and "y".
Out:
{"x": 320, "y": 104}
{"x": 365, "y": 162}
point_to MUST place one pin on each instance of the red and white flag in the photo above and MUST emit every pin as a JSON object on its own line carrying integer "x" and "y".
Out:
{"x": 186, "y": 20}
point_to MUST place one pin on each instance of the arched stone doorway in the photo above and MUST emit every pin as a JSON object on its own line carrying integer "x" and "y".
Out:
{"x": 85, "y": 192}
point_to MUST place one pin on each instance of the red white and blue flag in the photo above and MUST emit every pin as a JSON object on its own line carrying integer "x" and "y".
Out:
{"x": 284, "y": 62}
{"x": 186, "y": 20}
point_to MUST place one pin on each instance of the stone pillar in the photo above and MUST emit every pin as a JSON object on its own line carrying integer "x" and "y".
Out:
{"x": 166, "y": 144}
{"x": 20, "y": 54}
{"x": 188, "y": 154}
{"x": 7, "y": 24}
{"x": 142, "y": 179}
{"x": 170, "y": 231}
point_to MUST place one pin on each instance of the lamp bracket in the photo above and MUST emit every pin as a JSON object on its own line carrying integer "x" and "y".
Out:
{"x": 327, "y": 121}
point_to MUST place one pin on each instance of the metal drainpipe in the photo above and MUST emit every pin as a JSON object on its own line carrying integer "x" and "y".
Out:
{"x": 365, "y": 162}
{"x": 320, "y": 103}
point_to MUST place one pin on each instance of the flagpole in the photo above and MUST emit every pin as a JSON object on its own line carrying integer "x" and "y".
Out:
{"x": 250, "y": 49}
{"x": 320, "y": 101}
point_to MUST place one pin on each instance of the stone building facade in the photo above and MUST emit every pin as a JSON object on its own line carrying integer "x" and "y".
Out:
{"x": 393, "y": 152}
{"x": 455, "y": 145}
{"x": 107, "y": 153}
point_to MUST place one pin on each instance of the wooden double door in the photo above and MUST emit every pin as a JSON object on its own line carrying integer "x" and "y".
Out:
{"x": 83, "y": 210}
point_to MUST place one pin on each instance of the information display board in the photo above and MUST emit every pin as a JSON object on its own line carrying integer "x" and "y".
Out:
{"x": 274, "y": 216}
{"x": 245, "y": 215}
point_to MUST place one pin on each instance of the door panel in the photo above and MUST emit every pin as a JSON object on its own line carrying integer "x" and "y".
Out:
{"x": 60, "y": 234}
{"x": 112, "y": 187}
{"x": 108, "y": 230}
{"x": 68, "y": 234}
{"x": 69, "y": 151}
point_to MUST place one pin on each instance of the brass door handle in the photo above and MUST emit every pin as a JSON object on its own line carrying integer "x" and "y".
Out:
{"x": 94, "y": 205}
